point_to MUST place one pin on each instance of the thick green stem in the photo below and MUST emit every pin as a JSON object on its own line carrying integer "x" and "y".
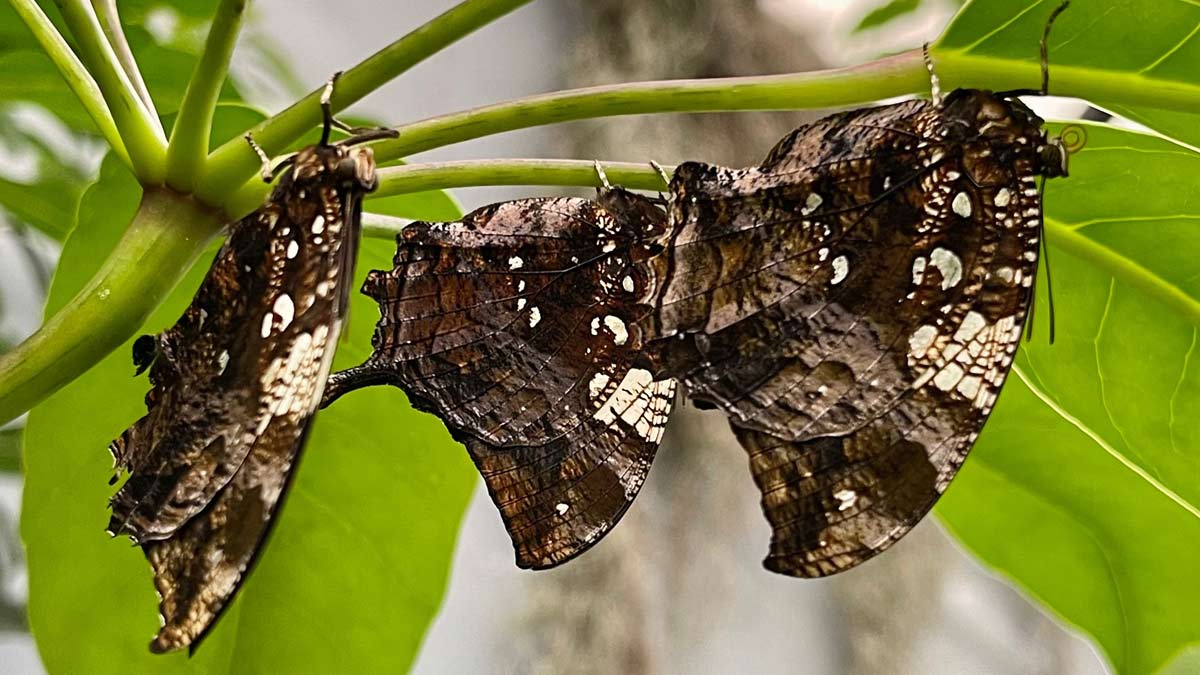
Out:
{"x": 110, "y": 18}
{"x": 960, "y": 69}
{"x": 379, "y": 226}
{"x": 141, "y": 131}
{"x": 188, "y": 149}
{"x": 397, "y": 180}
{"x": 234, "y": 163}
{"x": 167, "y": 233}
{"x": 76, "y": 76}
{"x": 893, "y": 76}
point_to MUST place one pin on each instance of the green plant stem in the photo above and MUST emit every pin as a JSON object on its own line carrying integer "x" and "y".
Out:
{"x": 959, "y": 69}
{"x": 234, "y": 163}
{"x": 188, "y": 148}
{"x": 398, "y": 180}
{"x": 379, "y": 226}
{"x": 167, "y": 233}
{"x": 72, "y": 70}
{"x": 142, "y": 133}
{"x": 110, "y": 18}
{"x": 892, "y": 76}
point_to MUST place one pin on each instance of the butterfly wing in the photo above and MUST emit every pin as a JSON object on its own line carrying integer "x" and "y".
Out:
{"x": 854, "y": 305}
{"x": 236, "y": 383}
{"x": 518, "y": 327}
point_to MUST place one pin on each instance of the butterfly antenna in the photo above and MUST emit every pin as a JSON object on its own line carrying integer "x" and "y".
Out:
{"x": 935, "y": 85}
{"x": 1045, "y": 49}
{"x": 1046, "y": 263}
{"x": 327, "y": 122}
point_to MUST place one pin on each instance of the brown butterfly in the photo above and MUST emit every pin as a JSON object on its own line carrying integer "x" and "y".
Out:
{"x": 236, "y": 382}
{"x": 519, "y": 326}
{"x": 853, "y": 304}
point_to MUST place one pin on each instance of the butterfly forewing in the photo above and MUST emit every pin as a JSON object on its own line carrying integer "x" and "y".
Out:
{"x": 853, "y": 304}
{"x": 235, "y": 384}
{"x": 519, "y": 327}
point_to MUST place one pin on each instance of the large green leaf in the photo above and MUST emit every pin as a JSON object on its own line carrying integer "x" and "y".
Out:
{"x": 1084, "y": 486}
{"x": 356, "y": 568}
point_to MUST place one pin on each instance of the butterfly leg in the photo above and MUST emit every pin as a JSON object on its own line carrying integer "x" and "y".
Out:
{"x": 345, "y": 381}
{"x": 602, "y": 176}
{"x": 935, "y": 86}
{"x": 267, "y": 172}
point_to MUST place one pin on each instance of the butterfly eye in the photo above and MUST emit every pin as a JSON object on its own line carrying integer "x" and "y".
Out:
{"x": 347, "y": 170}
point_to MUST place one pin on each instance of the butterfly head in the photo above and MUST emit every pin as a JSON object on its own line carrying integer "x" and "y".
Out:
{"x": 350, "y": 167}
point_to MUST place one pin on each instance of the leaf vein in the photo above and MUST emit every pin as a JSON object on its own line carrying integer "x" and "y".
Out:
{"x": 1106, "y": 447}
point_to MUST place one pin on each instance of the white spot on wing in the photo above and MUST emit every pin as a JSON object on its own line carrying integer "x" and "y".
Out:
{"x": 949, "y": 265}
{"x": 318, "y": 225}
{"x": 847, "y": 498}
{"x": 285, "y": 309}
{"x": 617, "y": 327}
{"x": 562, "y": 508}
{"x": 292, "y": 249}
{"x": 972, "y": 323}
{"x": 535, "y": 315}
{"x": 961, "y": 205}
{"x": 920, "y": 341}
{"x": 1003, "y": 197}
{"x": 948, "y": 377}
{"x": 918, "y": 270}
{"x": 520, "y": 304}
{"x": 268, "y": 319}
{"x": 597, "y": 384}
{"x": 814, "y": 200}
{"x": 841, "y": 267}
{"x": 630, "y": 400}
{"x": 515, "y": 263}
{"x": 222, "y": 361}
{"x": 627, "y": 284}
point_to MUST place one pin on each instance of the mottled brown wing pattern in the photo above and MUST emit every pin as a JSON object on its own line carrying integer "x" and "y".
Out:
{"x": 519, "y": 327}
{"x": 854, "y": 304}
{"x": 235, "y": 384}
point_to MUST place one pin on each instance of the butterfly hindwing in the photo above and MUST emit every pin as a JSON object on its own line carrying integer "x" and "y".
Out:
{"x": 854, "y": 304}
{"x": 519, "y": 327}
{"x": 236, "y": 382}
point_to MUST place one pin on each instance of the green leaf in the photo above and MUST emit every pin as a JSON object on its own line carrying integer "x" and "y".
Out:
{"x": 10, "y": 450}
{"x": 1083, "y": 487}
{"x": 1112, "y": 44}
{"x": 46, "y": 199}
{"x": 353, "y": 573}
{"x": 886, "y": 13}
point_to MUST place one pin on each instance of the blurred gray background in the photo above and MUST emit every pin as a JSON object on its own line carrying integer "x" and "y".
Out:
{"x": 678, "y": 587}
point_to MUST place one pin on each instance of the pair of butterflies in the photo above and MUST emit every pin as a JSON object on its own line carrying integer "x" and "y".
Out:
{"x": 852, "y": 304}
